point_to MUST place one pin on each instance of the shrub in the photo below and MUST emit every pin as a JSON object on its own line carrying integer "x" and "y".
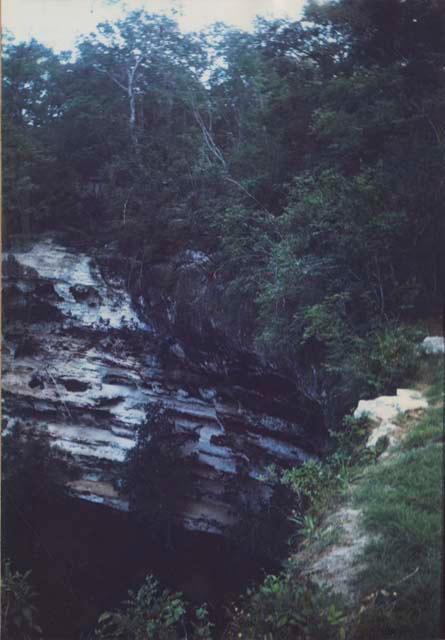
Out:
{"x": 17, "y": 605}
{"x": 285, "y": 608}
{"x": 385, "y": 358}
{"x": 308, "y": 482}
{"x": 156, "y": 613}
{"x": 348, "y": 443}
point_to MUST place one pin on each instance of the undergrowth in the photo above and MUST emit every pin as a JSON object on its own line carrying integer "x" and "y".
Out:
{"x": 401, "y": 499}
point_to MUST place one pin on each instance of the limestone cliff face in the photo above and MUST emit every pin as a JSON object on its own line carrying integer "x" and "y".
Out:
{"x": 81, "y": 363}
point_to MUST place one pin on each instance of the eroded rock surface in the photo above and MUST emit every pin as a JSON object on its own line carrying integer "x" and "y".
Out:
{"x": 80, "y": 364}
{"x": 339, "y": 563}
{"x": 384, "y": 410}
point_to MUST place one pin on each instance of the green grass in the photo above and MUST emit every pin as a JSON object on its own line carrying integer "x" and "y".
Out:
{"x": 401, "y": 501}
{"x": 436, "y": 390}
{"x": 402, "y": 506}
{"x": 428, "y": 429}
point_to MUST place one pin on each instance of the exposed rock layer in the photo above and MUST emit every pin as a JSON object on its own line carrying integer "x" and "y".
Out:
{"x": 338, "y": 565}
{"x": 383, "y": 411}
{"x": 81, "y": 364}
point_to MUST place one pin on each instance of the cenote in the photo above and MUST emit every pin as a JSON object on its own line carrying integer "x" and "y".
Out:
{"x": 98, "y": 383}
{"x": 85, "y": 557}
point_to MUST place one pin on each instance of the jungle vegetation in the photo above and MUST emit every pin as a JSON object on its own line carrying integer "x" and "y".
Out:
{"x": 306, "y": 158}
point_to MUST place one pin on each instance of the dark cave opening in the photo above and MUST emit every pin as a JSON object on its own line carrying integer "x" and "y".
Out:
{"x": 84, "y": 558}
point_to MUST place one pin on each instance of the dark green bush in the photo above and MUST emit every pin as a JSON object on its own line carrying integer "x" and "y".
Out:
{"x": 17, "y": 605}
{"x": 154, "y": 613}
{"x": 386, "y": 358}
{"x": 286, "y": 608}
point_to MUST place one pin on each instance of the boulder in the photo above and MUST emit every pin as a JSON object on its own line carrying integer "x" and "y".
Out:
{"x": 433, "y": 345}
{"x": 383, "y": 411}
{"x": 386, "y": 408}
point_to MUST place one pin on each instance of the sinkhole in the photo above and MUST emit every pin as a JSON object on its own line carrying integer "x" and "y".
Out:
{"x": 84, "y": 558}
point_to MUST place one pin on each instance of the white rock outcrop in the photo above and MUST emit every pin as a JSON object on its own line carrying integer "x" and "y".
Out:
{"x": 433, "y": 345}
{"x": 385, "y": 409}
{"x": 338, "y": 565}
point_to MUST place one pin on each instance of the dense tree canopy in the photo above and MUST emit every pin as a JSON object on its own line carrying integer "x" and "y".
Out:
{"x": 306, "y": 160}
{"x": 307, "y": 157}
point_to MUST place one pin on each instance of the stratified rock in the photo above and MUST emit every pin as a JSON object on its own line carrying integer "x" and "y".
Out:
{"x": 81, "y": 364}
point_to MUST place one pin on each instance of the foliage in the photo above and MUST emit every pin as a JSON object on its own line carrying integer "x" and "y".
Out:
{"x": 33, "y": 96}
{"x": 285, "y": 607}
{"x": 306, "y": 482}
{"x": 33, "y": 472}
{"x": 316, "y": 485}
{"x": 18, "y": 608}
{"x": 305, "y": 157}
{"x": 201, "y": 626}
{"x": 315, "y": 482}
{"x": 153, "y": 613}
{"x": 157, "y": 475}
{"x": 348, "y": 442}
{"x": 387, "y": 358}
{"x": 429, "y": 427}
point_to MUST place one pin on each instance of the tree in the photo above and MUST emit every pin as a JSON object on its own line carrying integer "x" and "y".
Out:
{"x": 34, "y": 481}
{"x": 134, "y": 53}
{"x": 32, "y": 104}
{"x": 157, "y": 474}
{"x": 306, "y": 158}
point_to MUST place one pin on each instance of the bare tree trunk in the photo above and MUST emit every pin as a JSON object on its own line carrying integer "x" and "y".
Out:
{"x": 217, "y": 153}
{"x": 130, "y": 92}
{"x": 208, "y": 139}
{"x": 132, "y": 105}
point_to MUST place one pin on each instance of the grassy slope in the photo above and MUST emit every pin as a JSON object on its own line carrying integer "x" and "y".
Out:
{"x": 401, "y": 500}
{"x": 394, "y": 573}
